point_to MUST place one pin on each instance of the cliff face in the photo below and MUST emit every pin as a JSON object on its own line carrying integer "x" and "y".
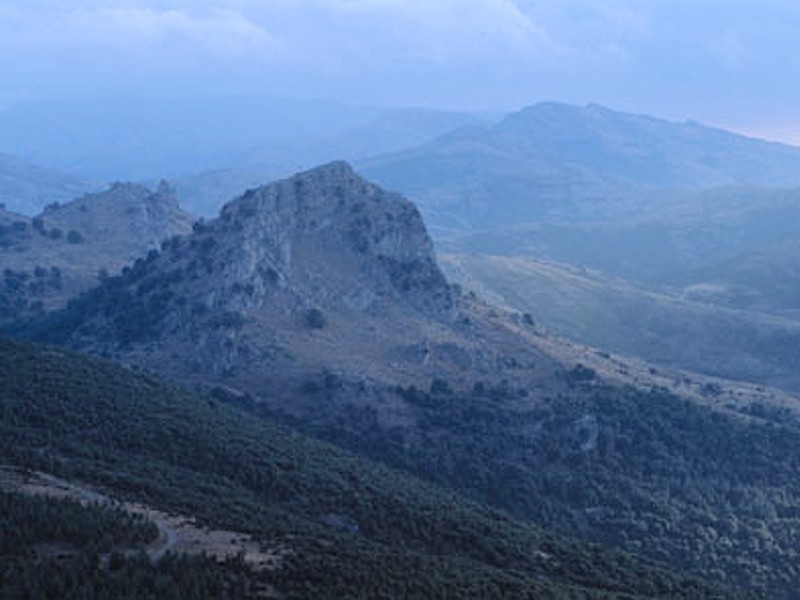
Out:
{"x": 331, "y": 238}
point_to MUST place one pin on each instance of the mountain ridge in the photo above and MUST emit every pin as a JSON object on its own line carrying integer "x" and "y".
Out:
{"x": 27, "y": 188}
{"x": 322, "y": 276}
{"x": 554, "y": 161}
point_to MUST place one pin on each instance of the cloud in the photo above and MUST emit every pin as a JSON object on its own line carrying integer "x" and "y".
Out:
{"x": 679, "y": 58}
{"x": 218, "y": 31}
{"x": 729, "y": 47}
{"x": 444, "y": 30}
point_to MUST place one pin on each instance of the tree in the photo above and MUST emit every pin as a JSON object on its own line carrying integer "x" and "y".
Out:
{"x": 315, "y": 318}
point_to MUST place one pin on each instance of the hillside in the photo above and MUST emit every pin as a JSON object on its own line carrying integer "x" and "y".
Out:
{"x": 688, "y": 328}
{"x": 344, "y": 526}
{"x": 682, "y": 329}
{"x": 667, "y": 246}
{"x": 27, "y": 188}
{"x": 317, "y": 301}
{"x": 761, "y": 279}
{"x": 553, "y": 162}
{"x": 60, "y": 547}
{"x": 321, "y": 272}
{"x": 66, "y": 249}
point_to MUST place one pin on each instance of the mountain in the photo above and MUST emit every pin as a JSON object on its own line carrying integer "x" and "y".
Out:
{"x": 381, "y": 132}
{"x": 554, "y": 162}
{"x": 319, "y": 272}
{"x": 688, "y": 328}
{"x": 61, "y": 252}
{"x": 763, "y": 278}
{"x": 332, "y": 524}
{"x": 317, "y": 301}
{"x": 211, "y": 147}
{"x": 668, "y": 246}
{"x": 28, "y": 188}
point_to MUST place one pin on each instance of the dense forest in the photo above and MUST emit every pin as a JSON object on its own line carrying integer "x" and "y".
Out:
{"x": 655, "y": 474}
{"x": 355, "y": 529}
{"x": 57, "y": 548}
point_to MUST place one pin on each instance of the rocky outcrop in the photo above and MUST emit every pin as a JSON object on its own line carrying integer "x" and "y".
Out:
{"x": 333, "y": 238}
{"x": 125, "y": 221}
{"x": 60, "y": 253}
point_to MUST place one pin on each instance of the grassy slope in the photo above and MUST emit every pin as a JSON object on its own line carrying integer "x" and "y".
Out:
{"x": 611, "y": 314}
{"x": 356, "y": 529}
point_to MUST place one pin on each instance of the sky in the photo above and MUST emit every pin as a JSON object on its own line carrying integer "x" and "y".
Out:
{"x": 732, "y": 63}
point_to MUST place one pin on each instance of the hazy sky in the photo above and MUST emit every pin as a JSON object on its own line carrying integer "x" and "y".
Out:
{"x": 733, "y": 63}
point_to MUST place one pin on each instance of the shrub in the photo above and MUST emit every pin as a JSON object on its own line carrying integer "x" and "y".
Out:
{"x": 440, "y": 386}
{"x": 315, "y": 318}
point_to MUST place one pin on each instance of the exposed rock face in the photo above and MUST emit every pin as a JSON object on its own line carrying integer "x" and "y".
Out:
{"x": 340, "y": 241}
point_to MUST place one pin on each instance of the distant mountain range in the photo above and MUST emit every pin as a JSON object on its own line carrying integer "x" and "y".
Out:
{"x": 27, "y": 188}
{"x": 670, "y": 245}
{"x": 554, "y": 162}
{"x": 211, "y": 147}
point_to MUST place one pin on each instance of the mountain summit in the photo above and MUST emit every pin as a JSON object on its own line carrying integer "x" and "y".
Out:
{"x": 341, "y": 241}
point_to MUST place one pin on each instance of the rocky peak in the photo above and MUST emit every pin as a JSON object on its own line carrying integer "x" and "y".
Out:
{"x": 335, "y": 238}
{"x": 322, "y": 270}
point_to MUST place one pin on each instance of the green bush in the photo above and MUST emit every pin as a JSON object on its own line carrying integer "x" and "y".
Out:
{"x": 315, "y": 318}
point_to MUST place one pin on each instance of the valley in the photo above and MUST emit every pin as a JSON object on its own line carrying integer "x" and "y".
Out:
{"x": 387, "y": 300}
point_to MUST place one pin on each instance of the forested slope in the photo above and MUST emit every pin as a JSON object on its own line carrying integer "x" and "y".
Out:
{"x": 354, "y": 529}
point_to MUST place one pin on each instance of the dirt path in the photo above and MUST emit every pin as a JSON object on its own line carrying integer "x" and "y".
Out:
{"x": 168, "y": 538}
{"x": 176, "y": 533}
